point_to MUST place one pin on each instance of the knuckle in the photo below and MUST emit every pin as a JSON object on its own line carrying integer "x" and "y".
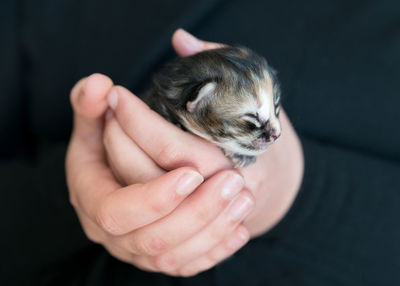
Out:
{"x": 161, "y": 205}
{"x": 211, "y": 258}
{"x": 170, "y": 154}
{"x": 202, "y": 214}
{"x": 219, "y": 232}
{"x": 151, "y": 247}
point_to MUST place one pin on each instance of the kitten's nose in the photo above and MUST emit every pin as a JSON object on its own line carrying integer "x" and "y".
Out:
{"x": 274, "y": 133}
{"x": 274, "y": 130}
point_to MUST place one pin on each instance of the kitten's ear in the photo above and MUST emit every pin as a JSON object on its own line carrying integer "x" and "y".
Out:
{"x": 202, "y": 98}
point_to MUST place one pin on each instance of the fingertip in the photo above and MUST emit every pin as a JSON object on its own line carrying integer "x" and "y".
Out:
{"x": 97, "y": 85}
{"x": 236, "y": 174}
{"x": 89, "y": 94}
{"x": 185, "y": 44}
{"x": 77, "y": 92}
{"x": 93, "y": 99}
{"x": 189, "y": 180}
{"x": 176, "y": 35}
{"x": 183, "y": 180}
{"x": 233, "y": 184}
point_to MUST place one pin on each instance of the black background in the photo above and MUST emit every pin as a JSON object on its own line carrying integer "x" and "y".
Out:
{"x": 339, "y": 65}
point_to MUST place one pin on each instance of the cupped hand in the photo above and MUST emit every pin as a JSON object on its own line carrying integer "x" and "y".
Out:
{"x": 276, "y": 176}
{"x": 154, "y": 222}
{"x": 134, "y": 194}
{"x": 136, "y": 133}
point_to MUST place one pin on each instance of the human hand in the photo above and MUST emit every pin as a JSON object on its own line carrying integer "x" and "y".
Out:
{"x": 276, "y": 176}
{"x": 274, "y": 179}
{"x": 150, "y": 224}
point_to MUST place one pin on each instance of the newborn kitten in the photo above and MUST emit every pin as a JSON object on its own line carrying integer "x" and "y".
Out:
{"x": 229, "y": 96}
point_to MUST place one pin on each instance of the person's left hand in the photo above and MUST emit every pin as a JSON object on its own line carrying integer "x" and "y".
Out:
{"x": 273, "y": 180}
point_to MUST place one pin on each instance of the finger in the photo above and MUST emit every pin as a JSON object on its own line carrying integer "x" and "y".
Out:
{"x": 132, "y": 207}
{"x": 186, "y": 44}
{"x": 88, "y": 99}
{"x": 127, "y": 160}
{"x": 220, "y": 252}
{"x": 197, "y": 211}
{"x": 85, "y": 161}
{"x": 167, "y": 145}
{"x": 215, "y": 232}
{"x": 98, "y": 235}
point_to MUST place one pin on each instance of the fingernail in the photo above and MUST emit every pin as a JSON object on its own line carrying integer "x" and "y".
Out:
{"x": 109, "y": 114}
{"x": 238, "y": 240}
{"x": 232, "y": 185}
{"x": 191, "y": 41}
{"x": 241, "y": 207}
{"x": 113, "y": 99}
{"x": 189, "y": 182}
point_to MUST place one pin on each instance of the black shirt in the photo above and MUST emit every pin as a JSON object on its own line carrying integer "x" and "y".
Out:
{"x": 339, "y": 66}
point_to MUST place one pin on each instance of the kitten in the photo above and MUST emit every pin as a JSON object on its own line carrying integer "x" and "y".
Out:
{"x": 229, "y": 96}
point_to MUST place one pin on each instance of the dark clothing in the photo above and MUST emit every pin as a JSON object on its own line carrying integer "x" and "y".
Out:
{"x": 339, "y": 66}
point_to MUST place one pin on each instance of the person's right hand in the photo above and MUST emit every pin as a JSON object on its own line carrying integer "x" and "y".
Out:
{"x": 141, "y": 145}
{"x": 154, "y": 224}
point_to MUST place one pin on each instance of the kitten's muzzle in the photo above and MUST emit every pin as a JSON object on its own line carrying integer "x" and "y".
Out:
{"x": 266, "y": 138}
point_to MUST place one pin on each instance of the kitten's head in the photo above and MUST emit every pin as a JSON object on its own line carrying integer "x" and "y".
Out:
{"x": 229, "y": 96}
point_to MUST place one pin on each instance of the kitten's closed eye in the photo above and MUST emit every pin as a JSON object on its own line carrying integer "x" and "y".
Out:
{"x": 252, "y": 118}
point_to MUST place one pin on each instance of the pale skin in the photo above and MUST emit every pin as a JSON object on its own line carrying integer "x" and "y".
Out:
{"x": 160, "y": 198}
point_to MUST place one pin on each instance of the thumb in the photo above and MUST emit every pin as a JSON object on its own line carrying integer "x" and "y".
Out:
{"x": 85, "y": 161}
{"x": 186, "y": 44}
{"x": 89, "y": 103}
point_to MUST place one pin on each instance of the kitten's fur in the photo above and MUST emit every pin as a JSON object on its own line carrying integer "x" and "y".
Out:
{"x": 229, "y": 96}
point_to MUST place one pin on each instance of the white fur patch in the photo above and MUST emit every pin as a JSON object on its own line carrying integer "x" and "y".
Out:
{"x": 265, "y": 110}
{"x": 252, "y": 120}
